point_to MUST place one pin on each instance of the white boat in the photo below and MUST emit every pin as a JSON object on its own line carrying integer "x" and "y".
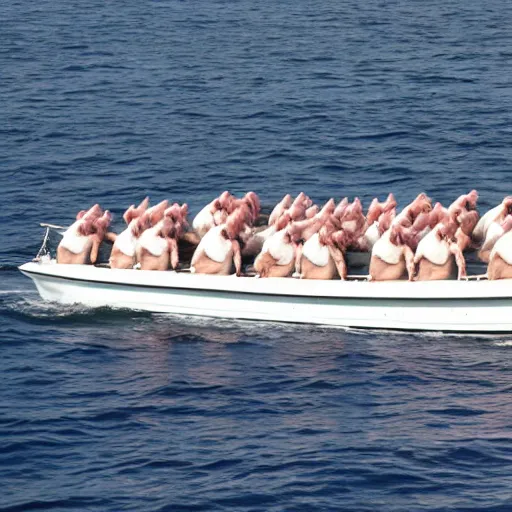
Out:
{"x": 470, "y": 305}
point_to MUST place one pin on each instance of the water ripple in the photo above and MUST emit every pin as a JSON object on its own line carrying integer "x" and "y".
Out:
{"x": 118, "y": 410}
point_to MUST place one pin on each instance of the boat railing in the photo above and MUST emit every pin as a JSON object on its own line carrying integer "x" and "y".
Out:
{"x": 476, "y": 277}
{"x": 248, "y": 273}
{"x": 45, "y": 251}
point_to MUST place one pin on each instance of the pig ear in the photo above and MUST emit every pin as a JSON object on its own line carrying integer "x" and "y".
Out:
{"x": 80, "y": 214}
{"x": 129, "y": 214}
{"x": 167, "y": 226}
{"x": 472, "y": 199}
{"x": 324, "y": 234}
{"x": 283, "y": 221}
{"x": 156, "y": 213}
{"x": 469, "y": 221}
{"x": 449, "y": 228}
{"x": 340, "y": 208}
{"x": 299, "y": 199}
{"x": 108, "y": 218}
{"x": 507, "y": 202}
{"x": 243, "y": 217}
{"x": 421, "y": 222}
{"x": 141, "y": 224}
{"x": 330, "y": 206}
{"x": 454, "y": 214}
{"x": 94, "y": 211}
{"x": 143, "y": 206}
{"x": 255, "y": 200}
{"x": 95, "y": 208}
{"x": 335, "y": 221}
{"x": 373, "y": 206}
{"x": 133, "y": 213}
{"x": 340, "y": 238}
{"x": 406, "y": 221}
{"x": 101, "y": 224}
{"x": 86, "y": 227}
{"x": 390, "y": 202}
{"x": 311, "y": 211}
{"x": 385, "y": 220}
{"x": 507, "y": 223}
{"x": 169, "y": 211}
{"x": 401, "y": 237}
{"x": 395, "y": 235}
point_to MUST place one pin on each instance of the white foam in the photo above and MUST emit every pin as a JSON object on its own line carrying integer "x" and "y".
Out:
{"x": 12, "y": 292}
{"x": 505, "y": 343}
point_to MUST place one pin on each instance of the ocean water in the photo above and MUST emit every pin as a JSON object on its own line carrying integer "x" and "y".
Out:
{"x": 116, "y": 410}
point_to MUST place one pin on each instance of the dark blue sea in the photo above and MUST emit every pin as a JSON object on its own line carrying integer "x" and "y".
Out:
{"x": 123, "y": 411}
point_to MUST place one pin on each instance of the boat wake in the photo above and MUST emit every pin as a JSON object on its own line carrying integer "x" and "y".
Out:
{"x": 17, "y": 292}
{"x": 268, "y": 329}
{"x": 504, "y": 343}
{"x": 31, "y": 308}
{"x": 26, "y": 305}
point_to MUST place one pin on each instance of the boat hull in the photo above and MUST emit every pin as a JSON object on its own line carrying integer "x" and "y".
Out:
{"x": 460, "y": 306}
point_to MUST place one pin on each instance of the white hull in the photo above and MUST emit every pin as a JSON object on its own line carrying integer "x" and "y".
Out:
{"x": 472, "y": 306}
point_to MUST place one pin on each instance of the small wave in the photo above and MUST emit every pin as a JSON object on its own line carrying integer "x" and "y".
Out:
{"x": 74, "y": 68}
{"x": 378, "y": 135}
{"x": 440, "y": 79}
{"x": 134, "y": 160}
{"x": 456, "y": 411}
{"x": 319, "y": 384}
{"x": 55, "y": 135}
{"x": 7, "y": 267}
{"x": 92, "y": 159}
{"x": 71, "y": 503}
{"x": 75, "y": 47}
